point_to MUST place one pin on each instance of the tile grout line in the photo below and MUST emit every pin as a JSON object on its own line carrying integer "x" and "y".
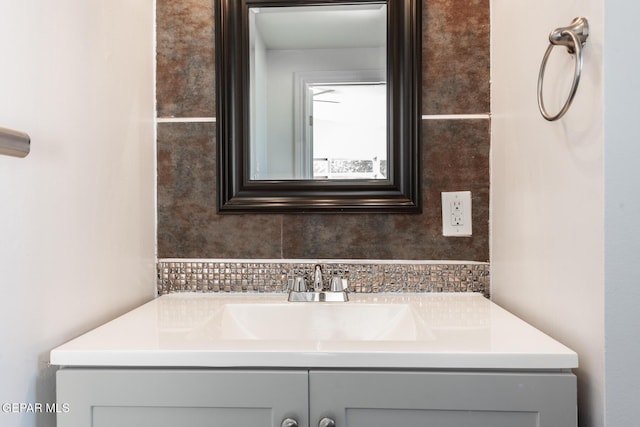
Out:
{"x": 185, "y": 119}
{"x": 423, "y": 117}
{"x": 456, "y": 116}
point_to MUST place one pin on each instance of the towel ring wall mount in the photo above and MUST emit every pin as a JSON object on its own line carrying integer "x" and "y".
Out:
{"x": 14, "y": 143}
{"x": 573, "y": 37}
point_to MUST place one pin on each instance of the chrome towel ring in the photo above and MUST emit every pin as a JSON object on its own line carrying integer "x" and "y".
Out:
{"x": 573, "y": 37}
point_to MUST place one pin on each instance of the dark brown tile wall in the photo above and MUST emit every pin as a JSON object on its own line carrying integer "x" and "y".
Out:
{"x": 455, "y": 152}
{"x": 455, "y": 57}
{"x": 185, "y": 72}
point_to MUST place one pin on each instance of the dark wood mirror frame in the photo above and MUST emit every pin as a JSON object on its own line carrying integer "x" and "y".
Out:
{"x": 398, "y": 194}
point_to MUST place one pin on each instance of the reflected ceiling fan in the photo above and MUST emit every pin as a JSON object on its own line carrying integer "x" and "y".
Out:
{"x": 322, "y": 91}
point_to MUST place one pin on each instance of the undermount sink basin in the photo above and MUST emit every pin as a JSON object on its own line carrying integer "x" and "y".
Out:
{"x": 318, "y": 322}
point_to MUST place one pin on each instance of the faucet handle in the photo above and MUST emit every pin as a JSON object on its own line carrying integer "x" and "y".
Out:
{"x": 300, "y": 284}
{"x": 337, "y": 284}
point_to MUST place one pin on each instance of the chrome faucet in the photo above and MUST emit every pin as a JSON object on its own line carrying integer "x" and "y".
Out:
{"x": 317, "y": 278}
{"x": 298, "y": 290}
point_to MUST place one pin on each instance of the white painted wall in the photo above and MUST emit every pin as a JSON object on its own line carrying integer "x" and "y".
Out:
{"x": 622, "y": 207}
{"x": 547, "y": 186}
{"x": 77, "y": 214}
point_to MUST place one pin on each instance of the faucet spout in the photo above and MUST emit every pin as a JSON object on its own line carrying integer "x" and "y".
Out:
{"x": 317, "y": 278}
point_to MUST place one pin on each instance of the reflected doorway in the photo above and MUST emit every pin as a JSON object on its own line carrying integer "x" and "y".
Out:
{"x": 347, "y": 130}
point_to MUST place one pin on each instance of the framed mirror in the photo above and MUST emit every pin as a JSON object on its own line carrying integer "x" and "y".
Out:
{"x": 318, "y": 105}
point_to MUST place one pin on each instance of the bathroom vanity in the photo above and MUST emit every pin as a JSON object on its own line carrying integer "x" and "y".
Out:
{"x": 377, "y": 360}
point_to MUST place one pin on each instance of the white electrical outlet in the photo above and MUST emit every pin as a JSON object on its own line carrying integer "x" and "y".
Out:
{"x": 456, "y": 213}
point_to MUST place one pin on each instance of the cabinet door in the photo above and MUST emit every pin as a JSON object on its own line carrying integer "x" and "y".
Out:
{"x": 442, "y": 399}
{"x": 184, "y": 398}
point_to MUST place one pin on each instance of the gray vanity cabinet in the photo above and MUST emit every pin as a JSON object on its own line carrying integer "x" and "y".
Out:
{"x": 443, "y": 399}
{"x": 350, "y": 398}
{"x": 181, "y": 398}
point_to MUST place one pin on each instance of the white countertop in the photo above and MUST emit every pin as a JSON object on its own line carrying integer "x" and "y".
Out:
{"x": 432, "y": 330}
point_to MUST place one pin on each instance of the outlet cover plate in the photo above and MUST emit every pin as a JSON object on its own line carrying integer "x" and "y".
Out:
{"x": 456, "y": 213}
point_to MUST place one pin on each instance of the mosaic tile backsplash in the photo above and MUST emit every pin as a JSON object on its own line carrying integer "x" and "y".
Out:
{"x": 262, "y": 276}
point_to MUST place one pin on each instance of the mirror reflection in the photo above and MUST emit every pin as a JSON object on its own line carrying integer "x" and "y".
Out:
{"x": 318, "y": 92}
